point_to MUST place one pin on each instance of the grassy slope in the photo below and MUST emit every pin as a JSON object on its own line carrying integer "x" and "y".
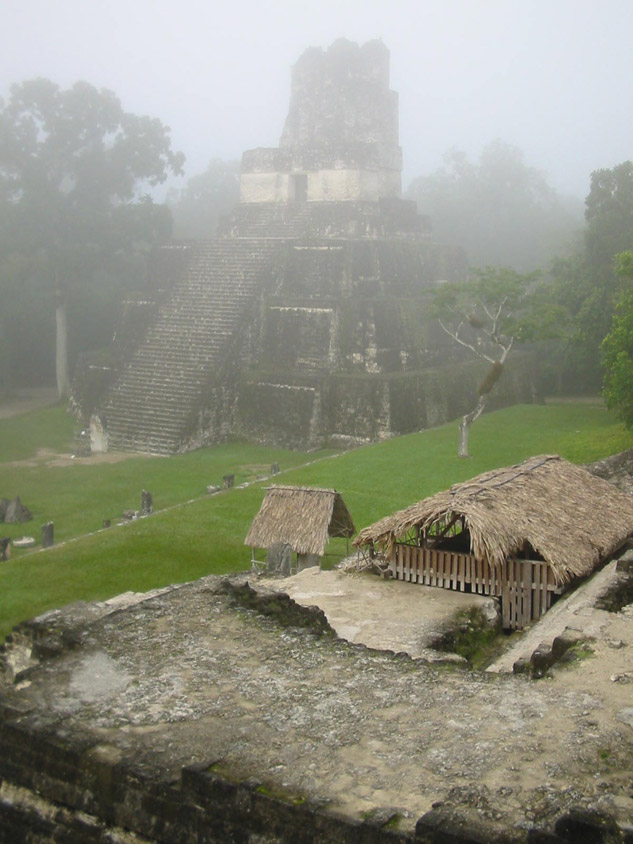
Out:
{"x": 206, "y": 536}
{"x": 77, "y": 498}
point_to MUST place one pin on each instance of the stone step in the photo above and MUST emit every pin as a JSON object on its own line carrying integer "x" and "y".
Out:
{"x": 190, "y": 337}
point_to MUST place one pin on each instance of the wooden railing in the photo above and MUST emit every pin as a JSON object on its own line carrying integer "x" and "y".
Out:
{"x": 524, "y": 586}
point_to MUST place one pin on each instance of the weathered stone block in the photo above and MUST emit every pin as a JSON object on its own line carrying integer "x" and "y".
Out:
{"x": 48, "y": 535}
{"x": 16, "y": 512}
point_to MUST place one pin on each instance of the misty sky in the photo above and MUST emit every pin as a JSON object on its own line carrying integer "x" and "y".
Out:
{"x": 554, "y": 77}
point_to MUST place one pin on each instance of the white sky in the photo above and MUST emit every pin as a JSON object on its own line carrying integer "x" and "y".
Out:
{"x": 553, "y": 77}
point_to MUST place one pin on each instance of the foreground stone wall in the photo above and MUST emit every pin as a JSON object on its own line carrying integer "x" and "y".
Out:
{"x": 214, "y": 713}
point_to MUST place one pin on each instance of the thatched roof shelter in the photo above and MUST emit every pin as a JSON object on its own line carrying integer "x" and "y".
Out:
{"x": 301, "y": 517}
{"x": 544, "y": 505}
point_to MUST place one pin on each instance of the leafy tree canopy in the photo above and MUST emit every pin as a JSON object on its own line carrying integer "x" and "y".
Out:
{"x": 500, "y": 210}
{"x": 207, "y": 197}
{"x": 75, "y": 169}
{"x": 75, "y": 213}
{"x": 617, "y": 347}
{"x": 486, "y": 315}
{"x": 589, "y": 283}
{"x": 609, "y": 216}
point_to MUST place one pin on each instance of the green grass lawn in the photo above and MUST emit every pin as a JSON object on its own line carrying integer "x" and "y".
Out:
{"x": 78, "y": 497}
{"x": 206, "y": 535}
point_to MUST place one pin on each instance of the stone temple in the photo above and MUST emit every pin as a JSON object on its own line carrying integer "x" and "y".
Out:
{"x": 304, "y": 321}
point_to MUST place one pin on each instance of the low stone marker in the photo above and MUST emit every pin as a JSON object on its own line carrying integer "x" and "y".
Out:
{"x": 24, "y": 542}
{"x": 98, "y": 436}
{"x": 274, "y": 469}
{"x": 130, "y": 515}
{"x": 106, "y": 523}
{"x": 147, "y": 503}
{"x": 212, "y": 489}
{"x": 5, "y": 548}
{"x": 228, "y": 481}
{"x": 48, "y": 535}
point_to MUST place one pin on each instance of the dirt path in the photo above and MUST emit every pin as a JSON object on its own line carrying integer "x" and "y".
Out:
{"x": 26, "y": 399}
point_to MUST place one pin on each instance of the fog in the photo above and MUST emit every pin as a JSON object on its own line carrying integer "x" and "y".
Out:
{"x": 553, "y": 77}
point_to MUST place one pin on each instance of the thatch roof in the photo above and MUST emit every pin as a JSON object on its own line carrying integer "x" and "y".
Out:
{"x": 571, "y": 518}
{"x": 302, "y": 517}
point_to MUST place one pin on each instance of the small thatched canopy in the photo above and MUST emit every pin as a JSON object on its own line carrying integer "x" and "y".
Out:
{"x": 560, "y": 511}
{"x": 302, "y": 517}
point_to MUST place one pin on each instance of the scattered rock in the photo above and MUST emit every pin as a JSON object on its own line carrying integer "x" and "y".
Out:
{"x": 16, "y": 512}
{"x": 24, "y": 542}
{"x": 626, "y": 716}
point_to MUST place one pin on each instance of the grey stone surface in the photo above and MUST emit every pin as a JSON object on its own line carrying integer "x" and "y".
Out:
{"x": 626, "y": 715}
{"x": 213, "y": 688}
{"x": 48, "y": 535}
{"x": 24, "y": 542}
{"x": 147, "y": 503}
{"x": 16, "y": 512}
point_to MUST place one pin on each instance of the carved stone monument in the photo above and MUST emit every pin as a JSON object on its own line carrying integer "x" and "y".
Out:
{"x": 147, "y": 503}
{"x": 48, "y": 535}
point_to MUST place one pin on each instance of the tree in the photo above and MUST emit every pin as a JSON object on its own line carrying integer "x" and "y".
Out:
{"x": 609, "y": 216}
{"x": 589, "y": 284}
{"x": 206, "y": 198}
{"x": 74, "y": 173}
{"x": 617, "y": 348}
{"x": 487, "y": 314}
{"x": 499, "y": 210}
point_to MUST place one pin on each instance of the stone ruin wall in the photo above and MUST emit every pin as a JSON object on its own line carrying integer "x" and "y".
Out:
{"x": 275, "y": 329}
{"x": 348, "y": 410}
{"x": 340, "y": 140}
{"x": 162, "y": 747}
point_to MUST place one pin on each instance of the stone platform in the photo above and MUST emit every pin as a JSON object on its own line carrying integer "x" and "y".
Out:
{"x": 211, "y": 712}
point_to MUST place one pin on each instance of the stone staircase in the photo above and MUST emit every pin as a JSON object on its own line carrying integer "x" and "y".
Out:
{"x": 269, "y": 219}
{"x": 153, "y": 406}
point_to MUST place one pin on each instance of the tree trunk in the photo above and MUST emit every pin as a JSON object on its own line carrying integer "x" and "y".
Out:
{"x": 464, "y": 426}
{"x": 6, "y": 367}
{"x": 61, "y": 346}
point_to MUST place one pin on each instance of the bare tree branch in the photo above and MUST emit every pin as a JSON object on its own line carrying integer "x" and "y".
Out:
{"x": 458, "y": 339}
